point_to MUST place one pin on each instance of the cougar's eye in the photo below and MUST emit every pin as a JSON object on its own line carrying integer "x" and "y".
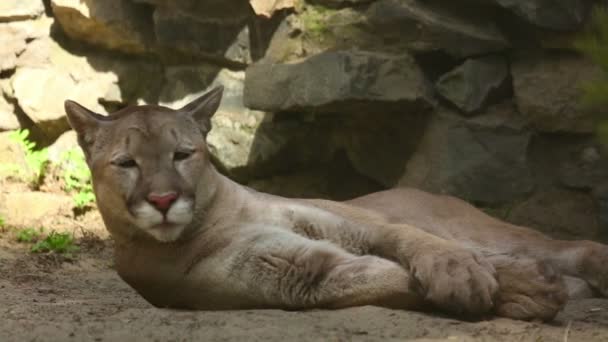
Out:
{"x": 181, "y": 155}
{"x": 125, "y": 163}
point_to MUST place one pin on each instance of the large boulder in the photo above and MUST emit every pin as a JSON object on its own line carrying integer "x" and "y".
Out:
{"x": 340, "y": 3}
{"x": 601, "y": 197}
{"x": 548, "y": 90}
{"x": 431, "y": 26}
{"x": 316, "y": 29}
{"x": 11, "y": 10}
{"x": 212, "y": 28}
{"x": 343, "y": 81}
{"x": 473, "y": 84}
{"x": 336, "y": 180}
{"x": 482, "y": 159}
{"x": 550, "y": 14}
{"x": 559, "y": 212}
{"x": 267, "y": 8}
{"x": 8, "y": 119}
{"x": 13, "y": 44}
{"x": 572, "y": 161}
{"x": 226, "y": 40}
{"x": 390, "y": 26}
{"x": 113, "y": 24}
{"x": 91, "y": 80}
{"x": 15, "y": 35}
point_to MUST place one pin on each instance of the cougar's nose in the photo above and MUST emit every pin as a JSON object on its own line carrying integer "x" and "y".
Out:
{"x": 162, "y": 202}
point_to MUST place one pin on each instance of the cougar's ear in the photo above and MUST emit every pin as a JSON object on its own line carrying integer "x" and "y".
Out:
{"x": 203, "y": 108}
{"x": 85, "y": 122}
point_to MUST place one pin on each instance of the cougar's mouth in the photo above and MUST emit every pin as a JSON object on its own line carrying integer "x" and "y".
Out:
{"x": 164, "y": 226}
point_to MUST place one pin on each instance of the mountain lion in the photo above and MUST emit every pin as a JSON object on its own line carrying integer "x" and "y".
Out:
{"x": 188, "y": 237}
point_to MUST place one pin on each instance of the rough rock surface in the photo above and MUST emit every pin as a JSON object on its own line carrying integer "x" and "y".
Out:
{"x": 548, "y": 91}
{"x": 466, "y": 157}
{"x": 559, "y": 212}
{"x": 344, "y": 81}
{"x": 89, "y": 80}
{"x": 340, "y": 3}
{"x": 471, "y": 85}
{"x": 552, "y": 14}
{"x": 8, "y": 118}
{"x": 14, "y": 37}
{"x": 13, "y": 43}
{"x": 11, "y": 10}
{"x": 226, "y": 40}
{"x": 428, "y": 26}
{"x": 114, "y": 24}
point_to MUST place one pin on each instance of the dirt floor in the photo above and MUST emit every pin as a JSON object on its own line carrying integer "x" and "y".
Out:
{"x": 49, "y": 298}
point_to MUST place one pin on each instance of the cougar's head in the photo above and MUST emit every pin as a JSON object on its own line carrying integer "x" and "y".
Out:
{"x": 148, "y": 163}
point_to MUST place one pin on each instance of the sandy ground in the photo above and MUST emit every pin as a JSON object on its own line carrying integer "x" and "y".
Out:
{"x": 47, "y": 298}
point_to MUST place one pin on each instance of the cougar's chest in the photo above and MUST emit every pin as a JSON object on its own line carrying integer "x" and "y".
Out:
{"x": 158, "y": 274}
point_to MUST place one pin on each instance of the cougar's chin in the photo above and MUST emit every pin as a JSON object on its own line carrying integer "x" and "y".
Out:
{"x": 167, "y": 227}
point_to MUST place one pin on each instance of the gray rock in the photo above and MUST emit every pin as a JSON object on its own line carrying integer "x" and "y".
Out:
{"x": 550, "y": 14}
{"x": 548, "y": 91}
{"x": 471, "y": 85}
{"x": 378, "y": 146}
{"x": 317, "y": 29}
{"x": 584, "y": 169}
{"x": 13, "y": 43}
{"x": 344, "y": 81}
{"x": 340, "y": 3}
{"x": 601, "y": 197}
{"x": 430, "y": 26}
{"x": 11, "y": 10}
{"x": 84, "y": 78}
{"x": 215, "y": 29}
{"x": 267, "y": 8}
{"x": 283, "y": 143}
{"x": 15, "y": 35}
{"x": 481, "y": 160}
{"x": 8, "y": 119}
{"x": 336, "y": 180}
{"x": 228, "y": 11}
{"x": 226, "y": 40}
{"x": 559, "y": 212}
{"x": 112, "y": 24}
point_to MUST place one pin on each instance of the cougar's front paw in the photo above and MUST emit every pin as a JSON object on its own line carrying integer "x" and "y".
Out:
{"x": 529, "y": 289}
{"x": 456, "y": 279}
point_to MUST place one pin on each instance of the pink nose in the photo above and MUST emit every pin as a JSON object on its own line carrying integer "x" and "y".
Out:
{"x": 162, "y": 202}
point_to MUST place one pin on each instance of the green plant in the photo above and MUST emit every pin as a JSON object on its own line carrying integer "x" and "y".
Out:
{"x": 36, "y": 160}
{"x": 77, "y": 177}
{"x": 594, "y": 44}
{"x": 314, "y": 20}
{"x": 60, "y": 243}
{"x": 28, "y": 235}
{"x": 2, "y": 222}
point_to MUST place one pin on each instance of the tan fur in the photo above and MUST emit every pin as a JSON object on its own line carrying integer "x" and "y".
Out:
{"x": 239, "y": 249}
